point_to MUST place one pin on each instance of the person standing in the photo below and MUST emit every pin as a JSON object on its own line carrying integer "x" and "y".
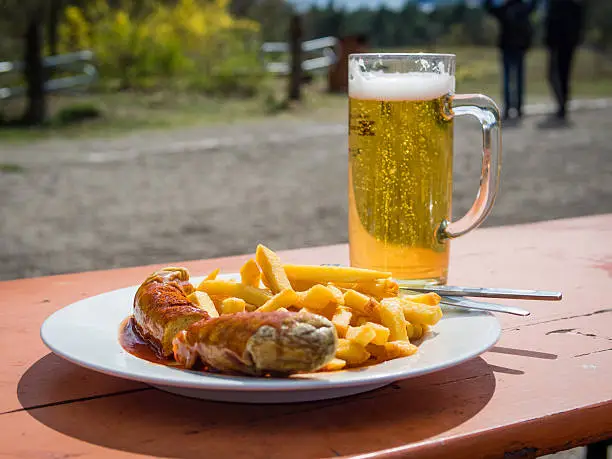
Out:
{"x": 515, "y": 37}
{"x": 564, "y": 29}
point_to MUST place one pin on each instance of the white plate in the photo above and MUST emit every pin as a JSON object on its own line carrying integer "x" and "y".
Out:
{"x": 86, "y": 333}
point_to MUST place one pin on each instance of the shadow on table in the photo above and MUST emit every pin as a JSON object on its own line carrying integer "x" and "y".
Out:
{"x": 147, "y": 421}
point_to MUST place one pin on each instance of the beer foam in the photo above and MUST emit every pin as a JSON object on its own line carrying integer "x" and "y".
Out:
{"x": 400, "y": 86}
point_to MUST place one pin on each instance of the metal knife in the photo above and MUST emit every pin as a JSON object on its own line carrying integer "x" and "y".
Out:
{"x": 483, "y": 292}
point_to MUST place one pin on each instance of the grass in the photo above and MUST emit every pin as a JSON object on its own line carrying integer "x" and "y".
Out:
{"x": 109, "y": 114}
{"x": 9, "y": 168}
{"x": 114, "y": 113}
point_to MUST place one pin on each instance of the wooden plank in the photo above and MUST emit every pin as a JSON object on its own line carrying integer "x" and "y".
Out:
{"x": 541, "y": 389}
{"x": 467, "y": 407}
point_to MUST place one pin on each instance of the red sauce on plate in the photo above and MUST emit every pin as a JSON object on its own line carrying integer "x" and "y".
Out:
{"x": 136, "y": 345}
{"x": 131, "y": 341}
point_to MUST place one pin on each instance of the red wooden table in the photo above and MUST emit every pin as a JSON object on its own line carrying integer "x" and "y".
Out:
{"x": 546, "y": 386}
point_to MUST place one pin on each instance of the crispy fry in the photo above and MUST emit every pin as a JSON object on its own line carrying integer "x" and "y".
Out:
{"x": 382, "y": 333}
{"x": 430, "y": 298}
{"x": 379, "y": 289}
{"x": 337, "y": 293}
{"x": 396, "y": 349}
{"x": 203, "y": 301}
{"x": 317, "y": 297}
{"x": 356, "y": 300}
{"x": 409, "y": 330}
{"x": 301, "y": 286}
{"x": 325, "y": 274}
{"x": 420, "y": 313}
{"x": 415, "y": 331}
{"x": 334, "y": 365}
{"x": 362, "y": 303}
{"x": 341, "y": 320}
{"x": 363, "y": 335}
{"x": 358, "y": 321}
{"x": 217, "y": 299}
{"x": 351, "y": 352}
{"x": 377, "y": 351}
{"x": 213, "y": 274}
{"x": 392, "y": 317}
{"x": 250, "y": 274}
{"x": 272, "y": 269}
{"x": 227, "y": 288}
{"x": 328, "y": 311}
{"x": 233, "y": 305}
{"x": 282, "y": 299}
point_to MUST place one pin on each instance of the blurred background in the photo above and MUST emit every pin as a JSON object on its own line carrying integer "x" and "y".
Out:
{"x": 152, "y": 131}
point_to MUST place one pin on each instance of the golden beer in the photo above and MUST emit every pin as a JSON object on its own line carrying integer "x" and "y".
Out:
{"x": 400, "y": 185}
{"x": 401, "y": 111}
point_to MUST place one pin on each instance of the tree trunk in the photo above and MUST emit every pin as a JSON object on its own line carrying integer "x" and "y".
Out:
{"x": 240, "y": 8}
{"x": 295, "y": 50}
{"x": 34, "y": 73}
{"x": 52, "y": 32}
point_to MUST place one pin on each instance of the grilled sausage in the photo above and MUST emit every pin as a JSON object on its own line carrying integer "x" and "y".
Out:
{"x": 259, "y": 343}
{"x": 161, "y": 308}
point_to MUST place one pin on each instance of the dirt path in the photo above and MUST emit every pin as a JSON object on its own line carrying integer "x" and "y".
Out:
{"x": 167, "y": 196}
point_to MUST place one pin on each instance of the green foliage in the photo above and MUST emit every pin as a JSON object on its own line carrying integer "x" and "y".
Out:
{"x": 599, "y": 33}
{"x": 160, "y": 43}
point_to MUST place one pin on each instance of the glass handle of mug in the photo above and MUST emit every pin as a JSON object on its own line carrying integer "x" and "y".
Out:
{"x": 485, "y": 110}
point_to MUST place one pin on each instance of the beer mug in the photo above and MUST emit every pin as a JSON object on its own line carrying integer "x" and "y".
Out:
{"x": 401, "y": 112}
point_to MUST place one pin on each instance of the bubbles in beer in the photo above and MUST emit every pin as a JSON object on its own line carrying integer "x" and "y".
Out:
{"x": 400, "y": 173}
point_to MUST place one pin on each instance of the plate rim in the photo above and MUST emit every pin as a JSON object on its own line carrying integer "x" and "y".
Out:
{"x": 219, "y": 382}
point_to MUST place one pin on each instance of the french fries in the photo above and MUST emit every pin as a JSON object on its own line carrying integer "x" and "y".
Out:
{"x": 395, "y": 349}
{"x": 203, "y": 301}
{"x": 383, "y": 288}
{"x": 431, "y": 298}
{"x": 356, "y": 300}
{"x": 392, "y": 317}
{"x": 317, "y": 297}
{"x": 226, "y": 288}
{"x": 373, "y": 321}
{"x": 416, "y": 331}
{"x": 382, "y": 333}
{"x": 351, "y": 352}
{"x": 325, "y": 274}
{"x": 273, "y": 274}
{"x": 250, "y": 274}
{"x": 233, "y": 305}
{"x": 213, "y": 275}
{"x": 341, "y": 320}
{"x": 335, "y": 365}
{"x": 283, "y": 299}
{"x": 362, "y": 335}
{"x": 339, "y": 296}
{"x": 363, "y": 304}
{"x": 421, "y": 313}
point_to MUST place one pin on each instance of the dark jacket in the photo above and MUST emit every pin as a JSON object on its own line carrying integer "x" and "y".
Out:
{"x": 516, "y": 31}
{"x": 565, "y": 22}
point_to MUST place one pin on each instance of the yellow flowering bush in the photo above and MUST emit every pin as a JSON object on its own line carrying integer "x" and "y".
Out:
{"x": 198, "y": 43}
